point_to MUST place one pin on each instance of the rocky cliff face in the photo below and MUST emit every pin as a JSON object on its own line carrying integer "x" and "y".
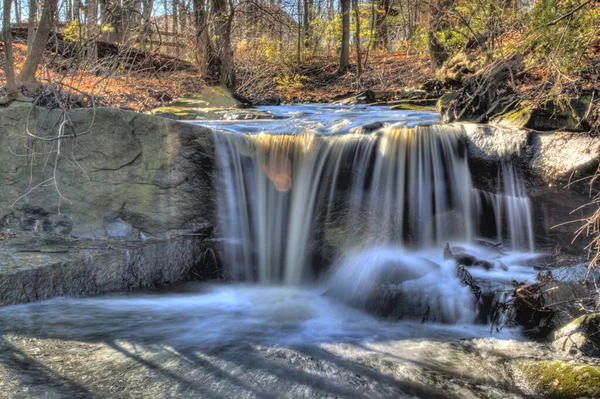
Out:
{"x": 119, "y": 174}
{"x": 556, "y": 167}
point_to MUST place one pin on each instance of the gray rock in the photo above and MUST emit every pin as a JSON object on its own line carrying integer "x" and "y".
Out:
{"x": 581, "y": 336}
{"x": 125, "y": 175}
{"x": 40, "y": 267}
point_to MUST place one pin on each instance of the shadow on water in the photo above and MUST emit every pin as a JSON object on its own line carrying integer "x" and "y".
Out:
{"x": 228, "y": 341}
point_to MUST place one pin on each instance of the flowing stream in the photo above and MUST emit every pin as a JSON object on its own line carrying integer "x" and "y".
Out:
{"x": 321, "y": 210}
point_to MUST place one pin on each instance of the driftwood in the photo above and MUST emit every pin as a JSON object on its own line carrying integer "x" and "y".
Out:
{"x": 488, "y": 92}
{"x": 127, "y": 57}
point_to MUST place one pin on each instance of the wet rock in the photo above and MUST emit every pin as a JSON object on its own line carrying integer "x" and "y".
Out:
{"x": 364, "y": 97}
{"x": 549, "y": 304}
{"x": 266, "y": 101}
{"x": 371, "y": 127}
{"x": 581, "y": 336}
{"x": 578, "y": 273}
{"x": 466, "y": 259}
{"x": 36, "y": 267}
{"x": 200, "y": 106}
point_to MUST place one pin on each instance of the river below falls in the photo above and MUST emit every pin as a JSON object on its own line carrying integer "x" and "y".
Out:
{"x": 243, "y": 341}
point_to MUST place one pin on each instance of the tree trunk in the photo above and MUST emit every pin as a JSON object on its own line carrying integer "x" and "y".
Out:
{"x": 357, "y": 36}
{"x": 308, "y": 4}
{"x": 299, "y": 41}
{"x": 76, "y": 11}
{"x": 381, "y": 27}
{"x": 437, "y": 50}
{"x": 147, "y": 5}
{"x": 203, "y": 44}
{"x": 31, "y": 24}
{"x": 166, "y": 7}
{"x": 345, "y": 51}
{"x": 9, "y": 69}
{"x": 27, "y": 76}
{"x": 68, "y": 11}
{"x": 223, "y": 19}
{"x": 17, "y": 11}
{"x": 92, "y": 27}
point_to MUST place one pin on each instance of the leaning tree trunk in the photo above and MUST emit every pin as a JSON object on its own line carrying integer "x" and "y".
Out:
{"x": 345, "y": 51}
{"x": 27, "y": 76}
{"x": 204, "y": 48}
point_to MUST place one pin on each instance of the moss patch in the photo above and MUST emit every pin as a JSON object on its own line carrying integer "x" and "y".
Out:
{"x": 412, "y": 107}
{"x": 559, "y": 379}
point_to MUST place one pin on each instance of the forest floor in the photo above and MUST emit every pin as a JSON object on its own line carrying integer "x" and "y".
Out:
{"x": 132, "y": 90}
{"x": 315, "y": 80}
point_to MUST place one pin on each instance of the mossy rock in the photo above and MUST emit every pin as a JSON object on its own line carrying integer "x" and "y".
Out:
{"x": 415, "y": 105}
{"x": 444, "y": 102}
{"x": 550, "y": 116}
{"x": 558, "y": 379}
{"x": 199, "y": 106}
{"x": 581, "y": 336}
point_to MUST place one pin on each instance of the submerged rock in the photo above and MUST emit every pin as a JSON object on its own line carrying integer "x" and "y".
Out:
{"x": 398, "y": 285}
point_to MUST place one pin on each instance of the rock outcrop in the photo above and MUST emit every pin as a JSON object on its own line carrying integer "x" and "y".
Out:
{"x": 552, "y": 166}
{"x": 117, "y": 174}
{"x": 581, "y": 336}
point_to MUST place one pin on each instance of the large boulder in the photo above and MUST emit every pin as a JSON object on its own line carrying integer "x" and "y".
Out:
{"x": 116, "y": 174}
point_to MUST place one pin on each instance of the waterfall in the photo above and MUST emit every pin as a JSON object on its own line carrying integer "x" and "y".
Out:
{"x": 284, "y": 197}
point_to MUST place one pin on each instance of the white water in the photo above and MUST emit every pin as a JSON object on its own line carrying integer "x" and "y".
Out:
{"x": 313, "y": 191}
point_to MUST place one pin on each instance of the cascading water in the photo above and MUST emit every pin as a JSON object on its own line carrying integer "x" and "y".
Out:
{"x": 299, "y": 199}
